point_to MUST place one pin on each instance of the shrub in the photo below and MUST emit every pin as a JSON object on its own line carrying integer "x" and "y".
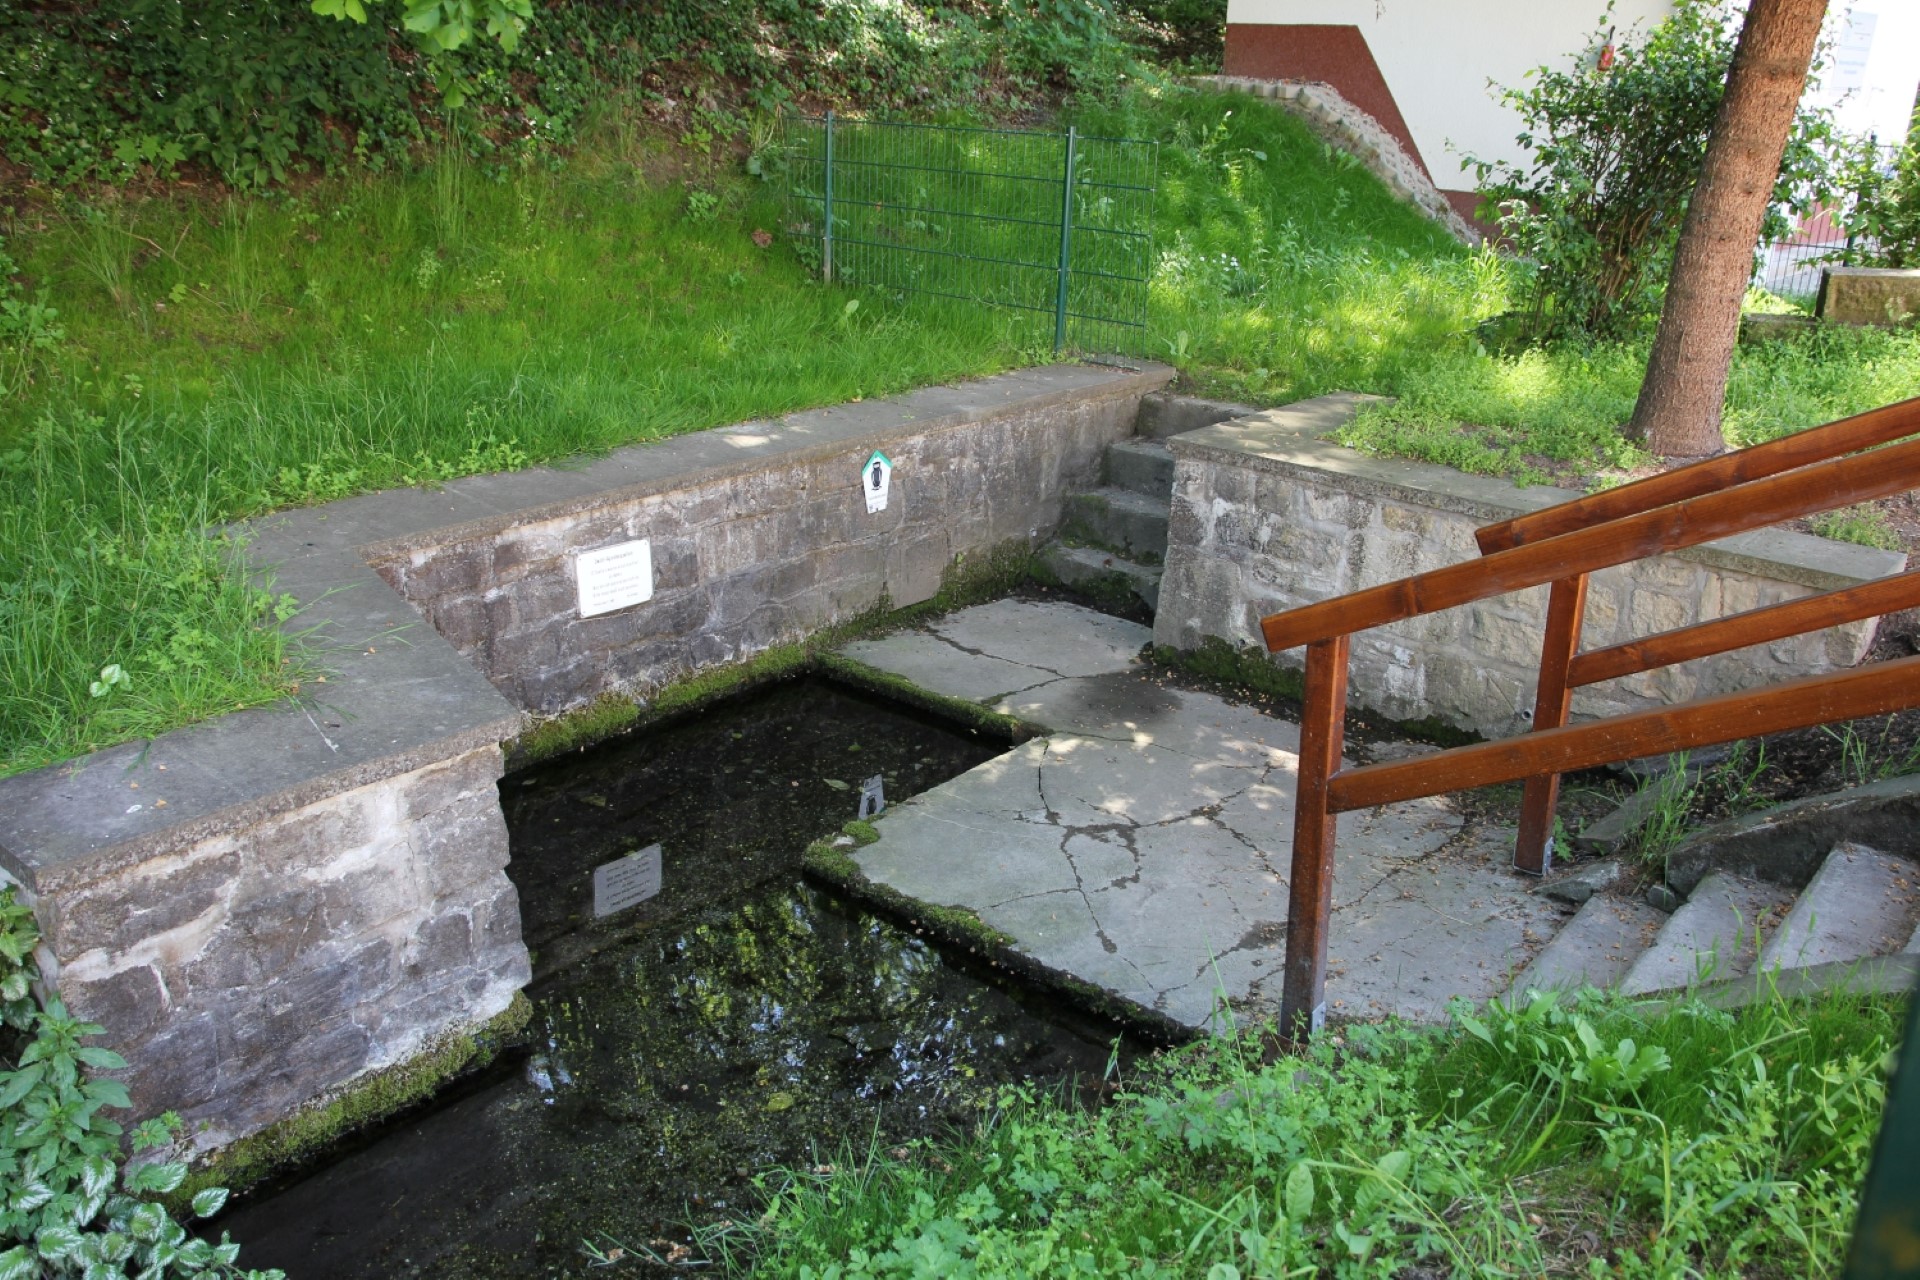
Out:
{"x": 1616, "y": 149}
{"x": 1883, "y": 223}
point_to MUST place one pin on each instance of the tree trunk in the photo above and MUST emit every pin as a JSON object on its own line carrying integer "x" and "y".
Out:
{"x": 1680, "y": 404}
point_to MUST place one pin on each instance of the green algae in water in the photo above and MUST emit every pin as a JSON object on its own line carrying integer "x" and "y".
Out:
{"x": 741, "y": 1022}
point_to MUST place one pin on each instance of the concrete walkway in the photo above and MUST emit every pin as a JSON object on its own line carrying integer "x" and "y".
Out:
{"x": 1143, "y": 845}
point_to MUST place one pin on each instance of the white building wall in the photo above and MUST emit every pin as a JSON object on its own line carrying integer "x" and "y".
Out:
{"x": 1438, "y": 56}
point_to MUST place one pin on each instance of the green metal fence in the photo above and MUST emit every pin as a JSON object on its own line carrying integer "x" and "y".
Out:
{"x": 1055, "y": 224}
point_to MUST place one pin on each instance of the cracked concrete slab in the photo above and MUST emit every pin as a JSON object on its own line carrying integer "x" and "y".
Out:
{"x": 1145, "y": 845}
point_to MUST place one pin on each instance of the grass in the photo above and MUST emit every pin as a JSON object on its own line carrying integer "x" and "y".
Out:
{"x": 1595, "y": 1137}
{"x": 1499, "y": 414}
{"x": 227, "y": 357}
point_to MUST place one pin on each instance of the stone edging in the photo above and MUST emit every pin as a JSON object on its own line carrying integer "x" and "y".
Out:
{"x": 1287, "y": 442}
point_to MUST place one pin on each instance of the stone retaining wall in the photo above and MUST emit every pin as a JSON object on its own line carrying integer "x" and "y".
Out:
{"x": 1267, "y": 516}
{"x": 251, "y": 972}
{"x": 770, "y": 548}
{"x": 264, "y": 908}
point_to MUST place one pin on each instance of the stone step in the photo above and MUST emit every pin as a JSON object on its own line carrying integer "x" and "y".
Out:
{"x": 1095, "y": 570}
{"x": 1595, "y": 948}
{"x": 1143, "y": 466}
{"x": 1130, "y": 523}
{"x": 1860, "y": 903}
{"x": 1162, "y": 415}
{"x": 1713, "y": 935}
{"x": 1610, "y": 833}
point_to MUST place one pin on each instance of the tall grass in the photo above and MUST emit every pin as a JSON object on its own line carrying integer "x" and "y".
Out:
{"x": 1594, "y": 1137}
{"x": 226, "y": 357}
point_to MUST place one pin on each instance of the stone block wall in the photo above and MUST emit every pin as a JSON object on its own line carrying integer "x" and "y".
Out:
{"x": 250, "y": 972}
{"x": 1266, "y": 516}
{"x": 747, "y": 559}
{"x": 264, "y": 908}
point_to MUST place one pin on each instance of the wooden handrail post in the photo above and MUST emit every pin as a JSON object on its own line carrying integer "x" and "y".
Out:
{"x": 1303, "y": 1005}
{"x": 1566, "y": 607}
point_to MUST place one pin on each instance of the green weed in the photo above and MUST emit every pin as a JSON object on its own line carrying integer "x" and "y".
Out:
{"x": 1545, "y": 1136}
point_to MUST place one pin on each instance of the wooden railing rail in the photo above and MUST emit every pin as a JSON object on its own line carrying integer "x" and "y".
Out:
{"x": 1727, "y": 717}
{"x": 1817, "y": 444}
{"x": 1796, "y": 476}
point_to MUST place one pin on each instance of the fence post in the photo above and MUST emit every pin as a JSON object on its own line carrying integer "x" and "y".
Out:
{"x": 1066, "y": 243}
{"x": 826, "y": 245}
{"x": 1303, "y": 995}
{"x": 1566, "y": 606}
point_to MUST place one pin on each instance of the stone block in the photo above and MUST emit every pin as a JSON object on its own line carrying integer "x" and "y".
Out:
{"x": 118, "y": 913}
{"x": 914, "y": 568}
{"x": 450, "y": 569}
{"x": 439, "y": 946}
{"x": 177, "y": 1068}
{"x": 1655, "y": 611}
{"x": 466, "y": 842}
{"x": 128, "y": 1004}
{"x": 1869, "y": 295}
{"x": 429, "y": 790}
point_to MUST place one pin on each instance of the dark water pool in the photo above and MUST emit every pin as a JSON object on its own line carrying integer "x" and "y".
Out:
{"x": 740, "y": 1021}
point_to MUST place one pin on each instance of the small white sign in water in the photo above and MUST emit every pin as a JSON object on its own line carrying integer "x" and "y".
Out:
{"x": 873, "y": 796}
{"x": 614, "y": 577}
{"x": 626, "y": 882}
{"x": 877, "y": 478}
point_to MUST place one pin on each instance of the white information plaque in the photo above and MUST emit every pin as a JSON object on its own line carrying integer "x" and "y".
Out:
{"x": 626, "y": 882}
{"x": 611, "y": 578}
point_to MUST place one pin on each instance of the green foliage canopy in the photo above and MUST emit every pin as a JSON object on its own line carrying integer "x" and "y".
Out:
{"x": 1615, "y": 154}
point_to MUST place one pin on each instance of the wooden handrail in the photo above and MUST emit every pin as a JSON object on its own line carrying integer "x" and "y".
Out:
{"x": 1752, "y": 505}
{"x": 1795, "y": 476}
{"x": 1755, "y": 626}
{"x": 1842, "y": 695}
{"x": 1817, "y": 444}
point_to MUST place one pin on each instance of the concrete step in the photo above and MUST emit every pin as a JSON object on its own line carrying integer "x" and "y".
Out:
{"x": 1096, "y": 570}
{"x": 1714, "y": 934}
{"x": 1144, "y": 466}
{"x": 1595, "y": 948}
{"x": 1162, "y": 415}
{"x": 1610, "y": 833}
{"x": 1121, "y": 520}
{"x": 1860, "y": 903}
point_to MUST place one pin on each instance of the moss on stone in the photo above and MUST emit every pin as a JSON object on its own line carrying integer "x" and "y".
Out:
{"x": 362, "y": 1102}
{"x": 1250, "y": 667}
{"x": 885, "y": 684}
{"x": 969, "y": 580}
{"x": 962, "y": 930}
{"x": 864, "y": 833}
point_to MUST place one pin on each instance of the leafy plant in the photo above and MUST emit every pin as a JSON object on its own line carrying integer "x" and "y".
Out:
{"x": 1616, "y": 146}
{"x": 63, "y": 1214}
{"x": 1882, "y": 220}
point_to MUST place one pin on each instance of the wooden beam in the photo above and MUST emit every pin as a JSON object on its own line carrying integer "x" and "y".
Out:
{"x": 1532, "y": 851}
{"x": 1755, "y": 626}
{"x": 1816, "y": 444}
{"x": 1819, "y": 487}
{"x": 1303, "y": 998}
{"x": 1844, "y": 695}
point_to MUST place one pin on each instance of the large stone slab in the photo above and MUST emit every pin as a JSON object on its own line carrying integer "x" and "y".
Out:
{"x": 1145, "y": 845}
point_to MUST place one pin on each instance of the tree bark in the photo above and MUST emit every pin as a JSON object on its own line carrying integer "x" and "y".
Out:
{"x": 1679, "y": 410}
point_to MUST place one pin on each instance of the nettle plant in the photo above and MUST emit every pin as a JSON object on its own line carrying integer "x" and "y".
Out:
{"x": 67, "y": 1209}
{"x": 1616, "y": 145}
